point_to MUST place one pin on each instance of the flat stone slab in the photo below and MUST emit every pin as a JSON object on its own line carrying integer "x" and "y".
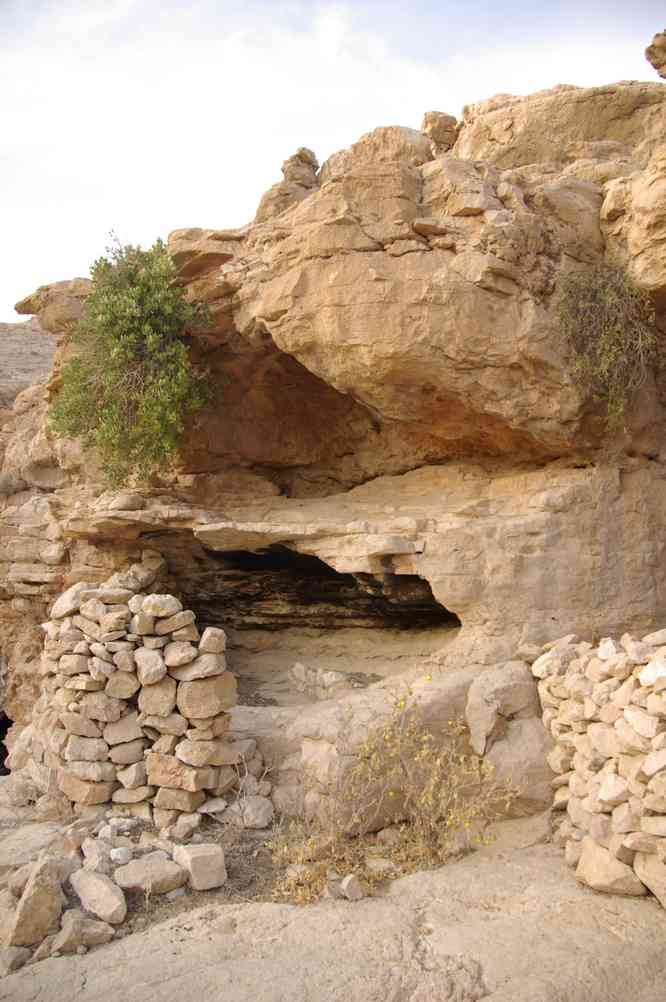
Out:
{"x": 24, "y": 844}
{"x": 511, "y": 924}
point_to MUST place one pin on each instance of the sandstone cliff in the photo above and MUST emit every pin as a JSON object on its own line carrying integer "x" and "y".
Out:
{"x": 395, "y": 397}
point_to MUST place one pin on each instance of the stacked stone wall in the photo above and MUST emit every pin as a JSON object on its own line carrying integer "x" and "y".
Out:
{"x": 605, "y": 707}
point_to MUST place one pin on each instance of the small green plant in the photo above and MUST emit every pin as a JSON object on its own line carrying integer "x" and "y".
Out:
{"x": 129, "y": 386}
{"x": 438, "y": 796}
{"x": 610, "y": 325}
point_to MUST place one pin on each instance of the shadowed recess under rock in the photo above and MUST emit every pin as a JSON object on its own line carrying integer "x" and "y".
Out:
{"x": 276, "y": 588}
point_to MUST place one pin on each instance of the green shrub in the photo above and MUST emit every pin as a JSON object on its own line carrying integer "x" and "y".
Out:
{"x": 130, "y": 385}
{"x": 610, "y": 325}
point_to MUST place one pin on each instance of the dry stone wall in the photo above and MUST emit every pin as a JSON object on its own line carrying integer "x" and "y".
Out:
{"x": 605, "y": 708}
{"x": 135, "y": 702}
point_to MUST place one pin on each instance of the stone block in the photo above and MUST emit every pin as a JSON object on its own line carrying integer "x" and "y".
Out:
{"x": 204, "y": 864}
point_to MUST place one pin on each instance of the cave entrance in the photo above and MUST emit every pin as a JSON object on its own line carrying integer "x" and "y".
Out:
{"x": 5, "y": 724}
{"x": 300, "y": 631}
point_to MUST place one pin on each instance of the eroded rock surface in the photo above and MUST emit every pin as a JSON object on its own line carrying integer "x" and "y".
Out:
{"x": 397, "y": 402}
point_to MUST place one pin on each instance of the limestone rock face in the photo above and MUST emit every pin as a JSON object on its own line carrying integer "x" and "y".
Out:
{"x": 656, "y": 53}
{"x": 397, "y": 405}
{"x": 512, "y": 131}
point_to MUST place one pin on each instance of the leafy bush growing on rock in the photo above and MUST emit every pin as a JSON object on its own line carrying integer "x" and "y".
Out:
{"x": 610, "y": 325}
{"x": 130, "y": 384}
{"x": 437, "y": 794}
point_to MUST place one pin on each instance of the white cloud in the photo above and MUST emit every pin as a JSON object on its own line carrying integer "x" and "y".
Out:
{"x": 143, "y": 116}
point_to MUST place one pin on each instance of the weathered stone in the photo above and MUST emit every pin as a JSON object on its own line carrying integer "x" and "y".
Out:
{"x": 165, "y": 744}
{"x": 124, "y": 730}
{"x": 124, "y": 661}
{"x": 12, "y": 958}
{"x": 128, "y": 753}
{"x": 653, "y": 826}
{"x": 207, "y": 697}
{"x": 86, "y": 749}
{"x": 169, "y": 799}
{"x": 168, "y": 771}
{"x": 201, "y": 753}
{"x": 161, "y": 605}
{"x": 204, "y": 666}
{"x": 93, "y": 772}
{"x": 100, "y": 895}
{"x": 133, "y": 796}
{"x": 73, "y": 664}
{"x": 39, "y": 908}
{"x": 122, "y": 685}
{"x": 154, "y": 873}
{"x": 176, "y": 622}
{"x": 204, "y": 864}
{"x": 178, "y": 653}
{"x": 159, "y": 698}
{"x": 150, "y": 666}
{"x": 133, "y": 776}
{"x": 499, "y": 694}
{"x": 74, "y": 723}
{"x": 70, "y": 601}
{"x": 213, "y": 641}
{"x": 99, "y": 706}
{"x": 84, "y": 683}
{"x": 251, "y": 812}
{"x": 602, "y": 872}
{"x": 142, "y": 624}
{"x": 84, "y": 792}
{"x": 78, "y": 930}
{"x": 173, "y": 724}
{"x": 652, "y": 872}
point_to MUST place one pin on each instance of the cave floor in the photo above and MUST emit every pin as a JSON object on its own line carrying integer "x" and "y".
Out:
{"x": 262, "y": 659}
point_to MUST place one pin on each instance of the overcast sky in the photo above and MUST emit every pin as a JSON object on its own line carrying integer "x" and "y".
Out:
{"x": 143, "y": 116}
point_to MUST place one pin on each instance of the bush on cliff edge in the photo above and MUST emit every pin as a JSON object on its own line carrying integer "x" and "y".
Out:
{"x": 610, "y": 325}
{"x": 130, "y": 385}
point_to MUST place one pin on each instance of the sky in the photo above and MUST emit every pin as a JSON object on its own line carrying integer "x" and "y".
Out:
{"x": 144, "y": 116}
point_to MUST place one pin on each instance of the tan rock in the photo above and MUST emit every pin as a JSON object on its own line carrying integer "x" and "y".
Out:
{"x": 150, "y": 666}
{"x": 175, "y": 622}
{"x": 154, "y": 873}
{"x": 124, "y": 730}
{"x": 92, "y": 772}
{"x": 656, "y": 53}
{"x": 39, "y": 908}
{"x": 602, "y": 872}
{"x": 652, "y": 872}
{"x": 133, "y": 776}
{"x": 83, "y": 792}
{"x": 207, "y": 697}
{"x": 78, "y": 930}
{"x": 122, "y": 685}
{"x": 204, "y": 864}
{"x": 100, "y": 896}
{"x": 86, "y": 749}
{"x": 99, "y": 706}
{"x": 168, "y": 771}
{"x": 213, "y": 641}
{"x": 173, "y": 724}
{"x": 178, "y": 800}
{"x": 204, "y": 666}
{"x": 134, "y": 796}
{"x": 159, "y": 698}
{"x": 75, "y": 723}
{"x": 161, "y": 605}
{"x": 128, "y": 753}
{"x": 201, "y": 753}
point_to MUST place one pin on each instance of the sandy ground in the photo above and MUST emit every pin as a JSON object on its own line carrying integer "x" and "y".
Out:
{"x": 508, "y": 923}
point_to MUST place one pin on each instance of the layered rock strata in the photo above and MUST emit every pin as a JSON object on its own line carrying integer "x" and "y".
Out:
{"x": 605, "y": 708}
